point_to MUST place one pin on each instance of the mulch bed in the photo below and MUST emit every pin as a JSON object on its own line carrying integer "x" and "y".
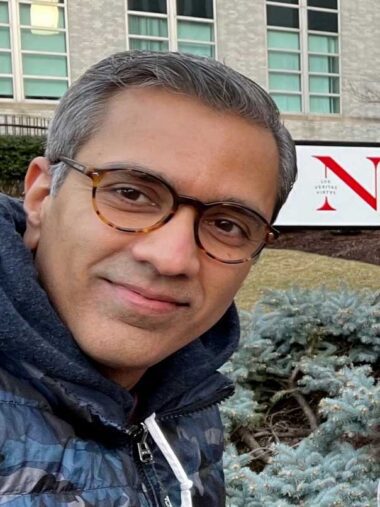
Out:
{"x": 359, "y": 245}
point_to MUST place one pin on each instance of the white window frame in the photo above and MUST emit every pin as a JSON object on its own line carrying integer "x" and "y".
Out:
{"x": 17, "y": 52}
{"x": 304, "y": 53}
{"x": 9, "y": 51}
{"x": 172, "y": 19}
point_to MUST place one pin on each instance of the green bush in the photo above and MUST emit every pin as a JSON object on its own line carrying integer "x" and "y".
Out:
{"x": 15, "y": 154}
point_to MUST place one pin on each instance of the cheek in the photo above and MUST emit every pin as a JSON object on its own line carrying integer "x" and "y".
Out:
{"x": 64, "y": 248}
{"x": 223, "y": 285}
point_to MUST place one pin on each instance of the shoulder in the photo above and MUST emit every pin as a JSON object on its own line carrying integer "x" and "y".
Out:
{"x": 12, "y": 211}
{"x": 43, "y": 459}
{"x": 16, "y": 391}
{"x": 11, "y": 208}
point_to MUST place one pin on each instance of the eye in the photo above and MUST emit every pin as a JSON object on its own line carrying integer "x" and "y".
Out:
{"x": 134, "y": 195}
{"x": 227, "y": 226}
{"x": 129, "y": 198}
{"x": 133, "y": 192}
{"x": 225, "y": 230}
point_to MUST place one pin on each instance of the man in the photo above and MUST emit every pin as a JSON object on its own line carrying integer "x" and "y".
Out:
{"x": 162, "y": 175}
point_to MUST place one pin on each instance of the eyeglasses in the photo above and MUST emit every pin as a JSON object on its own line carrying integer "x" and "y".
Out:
{"x": 135, "y": 201}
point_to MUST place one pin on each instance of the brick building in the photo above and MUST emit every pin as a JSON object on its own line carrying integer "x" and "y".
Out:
{"x": 319, "y": 59}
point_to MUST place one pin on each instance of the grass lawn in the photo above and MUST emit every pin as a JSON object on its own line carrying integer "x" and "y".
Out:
{"x": 281, "y": 269}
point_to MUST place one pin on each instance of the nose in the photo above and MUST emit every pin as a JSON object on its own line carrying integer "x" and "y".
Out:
{"x": 171, "y": 249}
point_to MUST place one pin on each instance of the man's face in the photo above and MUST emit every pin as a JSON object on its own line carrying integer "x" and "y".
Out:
{"x": 131, "y": 300}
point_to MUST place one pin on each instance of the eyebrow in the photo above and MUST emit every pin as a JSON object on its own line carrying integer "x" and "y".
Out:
{"x": 141, "y": 167}
{"x": 135, "y": 166}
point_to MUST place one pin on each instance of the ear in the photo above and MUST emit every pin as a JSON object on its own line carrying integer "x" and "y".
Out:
{"x": 37, "y": 190}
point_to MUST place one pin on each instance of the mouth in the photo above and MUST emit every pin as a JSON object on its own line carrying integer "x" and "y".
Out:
{"x": 145, "y": 299}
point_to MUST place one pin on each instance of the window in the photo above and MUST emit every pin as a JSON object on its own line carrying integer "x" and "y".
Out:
{"x": 33, "y": 49}
{"x": 303, "y": 55}
{"x": 6, "y": 76}
{"x": 172, "y": 25}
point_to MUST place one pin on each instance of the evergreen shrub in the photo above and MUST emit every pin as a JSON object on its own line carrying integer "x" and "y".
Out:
{"x": 303, "y": 424}
{"x": 15, "y": 154}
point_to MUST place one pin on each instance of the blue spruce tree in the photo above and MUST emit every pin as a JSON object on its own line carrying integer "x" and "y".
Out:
{"x": 302, "y": 425}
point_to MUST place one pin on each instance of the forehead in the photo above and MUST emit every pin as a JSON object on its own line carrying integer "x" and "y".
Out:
{"x": 202, "y": 152}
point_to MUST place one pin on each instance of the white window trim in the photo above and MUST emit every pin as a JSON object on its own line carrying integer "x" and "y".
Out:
{"x": 304, "y": 53}
{"x": 172, "y": 19}
{"x": 16, "y": 54}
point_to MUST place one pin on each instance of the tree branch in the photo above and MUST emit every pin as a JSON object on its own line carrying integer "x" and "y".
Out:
{"x": 302, "y": 401}
{"x": 249, "y": 440}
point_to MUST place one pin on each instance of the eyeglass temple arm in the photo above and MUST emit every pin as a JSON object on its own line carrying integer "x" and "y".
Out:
{"x": 273, "y": 234}
{"x": 74, "y": 164}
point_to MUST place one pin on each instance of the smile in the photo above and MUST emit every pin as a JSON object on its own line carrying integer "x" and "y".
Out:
{"x": 144, "y": 300}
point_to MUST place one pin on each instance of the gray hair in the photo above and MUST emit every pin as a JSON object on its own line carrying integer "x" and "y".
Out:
{"x": 80, "y": 111}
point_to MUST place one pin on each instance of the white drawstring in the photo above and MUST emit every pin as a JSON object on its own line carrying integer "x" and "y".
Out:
{"x": 185, "y": 483}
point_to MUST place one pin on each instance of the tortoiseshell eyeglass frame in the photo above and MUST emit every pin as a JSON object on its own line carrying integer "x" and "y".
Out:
{"x": 96, "y": 175}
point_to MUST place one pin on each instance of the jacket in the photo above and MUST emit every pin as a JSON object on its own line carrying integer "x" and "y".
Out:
{"x": 69, "y": 436}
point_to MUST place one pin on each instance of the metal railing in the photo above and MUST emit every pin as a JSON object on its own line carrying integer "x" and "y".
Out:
{"x": 23, "y": 125}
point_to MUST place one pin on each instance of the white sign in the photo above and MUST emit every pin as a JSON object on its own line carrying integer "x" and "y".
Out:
{"x": 336, "y": 186}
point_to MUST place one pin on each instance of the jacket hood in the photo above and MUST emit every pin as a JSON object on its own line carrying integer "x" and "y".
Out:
{"x": 34, "y": 340}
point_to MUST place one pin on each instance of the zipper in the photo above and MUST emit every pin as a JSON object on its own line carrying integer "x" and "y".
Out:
{"x": 143, "y": 456}
{"x": 139, "y": 434}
